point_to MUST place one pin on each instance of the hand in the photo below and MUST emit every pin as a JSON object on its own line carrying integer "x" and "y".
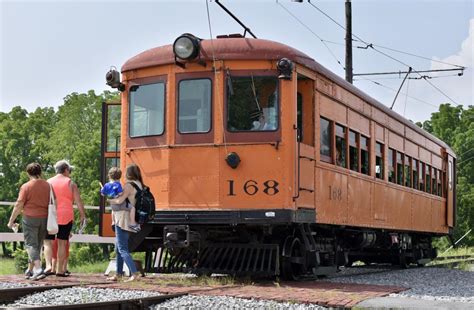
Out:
{"x": 10, "y": 225}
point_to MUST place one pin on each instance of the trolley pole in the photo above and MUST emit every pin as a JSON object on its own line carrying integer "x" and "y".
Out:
{"x": 348, "y": 41}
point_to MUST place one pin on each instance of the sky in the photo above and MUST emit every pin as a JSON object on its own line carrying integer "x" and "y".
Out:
{"x": 49, "y": 49}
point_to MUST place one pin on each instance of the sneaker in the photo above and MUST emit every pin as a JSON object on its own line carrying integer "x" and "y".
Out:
{"x": 135, "y": 228}
{"x": 37, "y": 275}
{"x": 28, "y": 274}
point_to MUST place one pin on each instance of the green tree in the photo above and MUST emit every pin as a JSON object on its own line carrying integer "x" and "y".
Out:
{"x": 455, "y": 126}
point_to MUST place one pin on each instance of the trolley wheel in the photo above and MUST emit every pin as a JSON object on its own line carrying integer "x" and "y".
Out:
{"x": 293, "y": 259}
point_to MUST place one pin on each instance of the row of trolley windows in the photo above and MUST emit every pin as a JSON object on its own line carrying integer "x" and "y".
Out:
{"x": 358, "y": 159}
{"x": 402, "y": 169}
{"x": 252, "y": 105}
{"x": 410, "y": 172}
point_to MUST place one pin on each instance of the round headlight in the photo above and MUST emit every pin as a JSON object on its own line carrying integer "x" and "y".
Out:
{"x": 186, "y": 47}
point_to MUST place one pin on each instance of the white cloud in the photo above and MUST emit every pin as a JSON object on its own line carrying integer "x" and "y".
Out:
{"x": 460, "y": 89}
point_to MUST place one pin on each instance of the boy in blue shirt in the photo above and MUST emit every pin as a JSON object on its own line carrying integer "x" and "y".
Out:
{"x": 112, "y": 190}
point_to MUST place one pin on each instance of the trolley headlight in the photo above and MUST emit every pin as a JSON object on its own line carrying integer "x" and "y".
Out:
{"x": 186, "y": 47}
{"x": 112, "y": 79}
{"x": 285, "y": 68}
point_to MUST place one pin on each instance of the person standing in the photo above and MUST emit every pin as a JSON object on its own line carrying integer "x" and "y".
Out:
{"x": 66, "y": 193}
{"x": 33, "y": 201}
{"x": 121, "y": 221}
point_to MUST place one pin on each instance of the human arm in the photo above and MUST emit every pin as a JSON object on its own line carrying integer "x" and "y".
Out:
{"x": 77, "y": 199}
{"x": 127, "y": 190}
{"x": 16, "y": 211}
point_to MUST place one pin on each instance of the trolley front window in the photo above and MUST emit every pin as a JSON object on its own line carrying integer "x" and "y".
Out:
{"x": 252, "y": 103}
{"x": 194, "y": 106}
{"x": 147, "y": 109}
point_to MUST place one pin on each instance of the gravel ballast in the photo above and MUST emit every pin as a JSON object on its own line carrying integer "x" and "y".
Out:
{"x": 8, "y": 285}
{"x": 425, "y": 283}
{"x": 191, "y": 302}
{"x": 79, "y": 295}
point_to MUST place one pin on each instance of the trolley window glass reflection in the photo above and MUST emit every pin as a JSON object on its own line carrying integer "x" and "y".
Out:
{"x": 252, "y": 103}
{"x": 194, "y": 106}
{"x": 147, "y": 110}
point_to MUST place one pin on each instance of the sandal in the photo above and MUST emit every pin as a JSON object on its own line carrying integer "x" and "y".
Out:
{"x": 114, "y": 278}
{"x": 62, "y": 275}
{"x": 48, "y": 272}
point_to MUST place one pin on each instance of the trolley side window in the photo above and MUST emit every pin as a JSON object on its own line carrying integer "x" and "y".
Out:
{"x": 147, "y": 110}
{"x": 422, "y": 176}
{"x": 364, "y": 155}
{"x": 252, "y": 103}
{"x": 194, "y": 106}
{"x": 325, "y": 148}
{"x": 399, "y": 168}
{"x": 440, "y": 186}
{"x": 434, "y": 183}
{"x": 415, "y": 173}
{"x": 391, "y": 165}
{"x": 341, "y": 147}
{"x": 379, "y": 160}
{"x": 407, "y": 171}
{"x": 427, "y": 179}
{"x": 353, "y": 151}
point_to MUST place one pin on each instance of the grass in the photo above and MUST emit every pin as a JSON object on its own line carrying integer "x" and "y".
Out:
{"x": 98, "y": 267}
{"x": 7, "y": 266}
{"x": 459, "y": 251}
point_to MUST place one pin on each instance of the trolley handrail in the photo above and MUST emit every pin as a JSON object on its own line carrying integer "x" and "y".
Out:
{"x": 7, "y": 203}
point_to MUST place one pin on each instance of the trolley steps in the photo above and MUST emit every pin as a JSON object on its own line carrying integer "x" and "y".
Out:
{"x": 235, "y": 259}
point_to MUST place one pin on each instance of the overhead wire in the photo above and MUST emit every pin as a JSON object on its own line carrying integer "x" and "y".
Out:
{"x": 382, "y": 53}
{"x": 394, "y": 90}
{"x": 314, "y": 33}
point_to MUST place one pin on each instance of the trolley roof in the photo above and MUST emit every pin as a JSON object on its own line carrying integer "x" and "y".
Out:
{"x": 258, "y": 49}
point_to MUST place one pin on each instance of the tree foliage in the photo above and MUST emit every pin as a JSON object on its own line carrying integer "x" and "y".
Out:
{"x": 455, "y": 126}
{"x": 45, "y": 136}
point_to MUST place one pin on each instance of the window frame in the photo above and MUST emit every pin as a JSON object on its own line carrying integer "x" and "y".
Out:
{"x": 325, "y": 158}
{"x": 392, "y": 166}
{"x": 365, "y": 148}
{"x": 407, "y": 176}
{"x": 382, "y": 157}
{"x": 140, "y": 141}
{"x": 402, "y": 163}
{"x": 178, "y": 104}
{"x": 414, "y": 173}
{"x": 428, "y": 188}
{"x": 251, "y": 136}
{"x": 194, "y": 137}
{"x": 345, "y": 137}
{"x": 356, "y": 145}
{"x": 421, "y": 177}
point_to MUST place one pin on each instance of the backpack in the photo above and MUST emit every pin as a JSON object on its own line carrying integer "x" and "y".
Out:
{"x": 144, "y": 204}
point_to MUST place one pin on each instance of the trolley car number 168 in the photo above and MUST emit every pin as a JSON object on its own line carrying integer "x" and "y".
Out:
{"x": 252, "y": 187}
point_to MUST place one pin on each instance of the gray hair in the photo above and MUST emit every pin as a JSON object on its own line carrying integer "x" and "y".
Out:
{"x": 62, "y": 165}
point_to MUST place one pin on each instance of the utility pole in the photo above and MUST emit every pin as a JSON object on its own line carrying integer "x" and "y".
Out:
{"x": 348, "y": 41}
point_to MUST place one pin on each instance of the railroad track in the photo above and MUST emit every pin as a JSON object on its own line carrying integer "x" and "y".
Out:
{"x": 11, "y": 295}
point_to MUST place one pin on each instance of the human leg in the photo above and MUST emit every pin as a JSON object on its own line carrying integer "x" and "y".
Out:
{"x": 48, "y": 253}
{"x": 63, "y": 238}
{"x": 122, "y": 246}
{"x": 133, "y": 224}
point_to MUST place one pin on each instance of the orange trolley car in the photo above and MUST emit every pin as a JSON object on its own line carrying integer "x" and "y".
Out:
{"x": 264, "y": 162}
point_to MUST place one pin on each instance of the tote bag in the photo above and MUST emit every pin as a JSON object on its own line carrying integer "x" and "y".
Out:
{"x": 52, "y": 225}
